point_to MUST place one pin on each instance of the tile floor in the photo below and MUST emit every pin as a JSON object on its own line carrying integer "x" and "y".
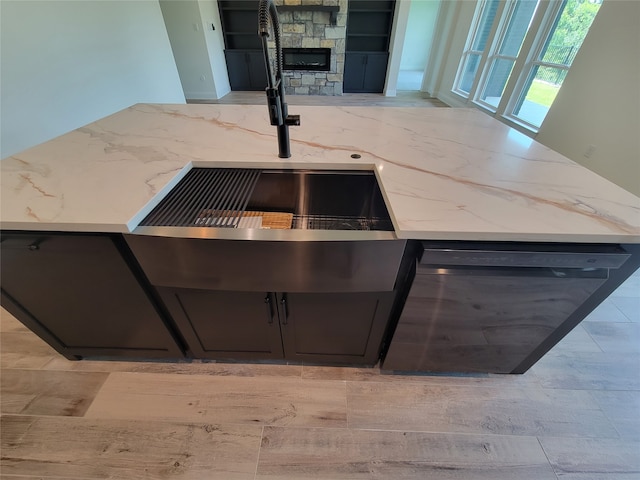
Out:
{"x": 574, "y": 415}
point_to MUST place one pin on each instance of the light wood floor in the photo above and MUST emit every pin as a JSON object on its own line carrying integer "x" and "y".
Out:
{"x": 575, "y": 415}
{"x": 403, "y": 99}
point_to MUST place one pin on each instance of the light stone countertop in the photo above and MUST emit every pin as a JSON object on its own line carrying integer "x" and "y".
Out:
{"x": 445, "y": 173}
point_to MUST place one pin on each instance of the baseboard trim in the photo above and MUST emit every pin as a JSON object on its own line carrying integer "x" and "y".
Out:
{"x": 452, "y": 99}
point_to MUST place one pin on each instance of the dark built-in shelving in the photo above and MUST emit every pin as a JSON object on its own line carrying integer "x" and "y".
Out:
{"x": 243, "y": 48}
{"x": 369, "y": 25}
{"x": 368, "y": 33}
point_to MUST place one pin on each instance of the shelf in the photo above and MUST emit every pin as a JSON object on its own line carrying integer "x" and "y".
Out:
{"x": 239, "y": 9}
{"x": 240, "y": 50}
{"x": 379, "y": 10}
{"x": 386, "y": 6}
{"x": 367, "y": 43}
{"x": 369, "y": 52}
{"x": 369, "y": 26}
{"x": 238, "y": 5}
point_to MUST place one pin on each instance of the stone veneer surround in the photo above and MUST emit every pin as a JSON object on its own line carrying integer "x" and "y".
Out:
{"x": 313, "y": 29}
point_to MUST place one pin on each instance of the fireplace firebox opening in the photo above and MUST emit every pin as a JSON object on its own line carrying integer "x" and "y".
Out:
{"x": 314, "y": 59}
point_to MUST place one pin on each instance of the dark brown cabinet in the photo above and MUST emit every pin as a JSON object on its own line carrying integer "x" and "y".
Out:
{"x": 222, "y": 324}
{"x": 316, "y": 327}
{"x": 247, "y": 70}
{"x": 334, "y": 327}
{"x": 369, "y": 25}
{"x": 79, "y": 294}
{"x": 243, "y": 47}
{"x": 315, "y": 301}
{"x": 365, "y": 71}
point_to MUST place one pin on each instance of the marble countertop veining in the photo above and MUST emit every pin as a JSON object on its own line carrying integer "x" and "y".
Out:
{"x": 446, "y": 173}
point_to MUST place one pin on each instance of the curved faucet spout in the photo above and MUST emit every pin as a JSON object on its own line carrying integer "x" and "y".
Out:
{"x": 267, "y": 13}
{"x": 278, "y": 111}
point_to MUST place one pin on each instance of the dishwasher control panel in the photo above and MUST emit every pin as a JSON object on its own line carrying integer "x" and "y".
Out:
{"x": 543, "y": 256}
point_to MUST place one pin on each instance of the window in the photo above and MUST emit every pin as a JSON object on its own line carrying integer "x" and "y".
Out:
{"x": 553, "y": 57}
{"x": 485, "y": 15}
{"x": 501, "y": 62}
{"x": 519, "y": 52}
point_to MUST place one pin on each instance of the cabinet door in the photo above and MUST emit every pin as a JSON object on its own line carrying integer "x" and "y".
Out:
{"x": 334, "y": 327}
{"x": 365, "y": 72}
{"x": 238, "y": 69}
{"x": 221, "y": 324}
{"x": 375, "y": 73}
{"x": 354, "y": 71}
{"x": 78, "y": 293}
{"x": 257, "y": 70}
{"x": 247, "y": 70}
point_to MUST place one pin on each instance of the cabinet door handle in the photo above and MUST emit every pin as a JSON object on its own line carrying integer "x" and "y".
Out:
{"x": 285, "y": 309}
{"x": 10, "y": 242}
{"x": 35, "y": 245}
{"x": 267, "y": 301}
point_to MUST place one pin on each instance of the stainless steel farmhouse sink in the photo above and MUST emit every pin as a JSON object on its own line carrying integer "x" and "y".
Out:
{"x": 247, "y": 203}
{"x": 269, "y": 264}
{"x": 271, "y": 230}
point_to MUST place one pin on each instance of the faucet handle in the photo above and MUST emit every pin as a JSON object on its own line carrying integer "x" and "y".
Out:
{"x": 274, "y": 105}
{"x": 292, "y": 120}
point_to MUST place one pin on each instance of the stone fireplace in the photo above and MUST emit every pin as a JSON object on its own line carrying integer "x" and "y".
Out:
{"x": 310, "y": 24}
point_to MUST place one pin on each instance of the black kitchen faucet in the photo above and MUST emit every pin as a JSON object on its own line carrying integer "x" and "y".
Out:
{"x": 278, "y": 113}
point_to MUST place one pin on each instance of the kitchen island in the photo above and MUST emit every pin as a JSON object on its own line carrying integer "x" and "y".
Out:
{"x": 446, "y": 175}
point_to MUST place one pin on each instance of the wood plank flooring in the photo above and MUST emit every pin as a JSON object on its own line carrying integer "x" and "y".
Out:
{"x": 59, "y": 447}
{"x": 248, "y": 401}
{"x": 364, "y": 454}
{"x": 575, "y": 415}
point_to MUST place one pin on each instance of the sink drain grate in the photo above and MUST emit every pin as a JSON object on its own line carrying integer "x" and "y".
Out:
{"x": 206, "y": 197}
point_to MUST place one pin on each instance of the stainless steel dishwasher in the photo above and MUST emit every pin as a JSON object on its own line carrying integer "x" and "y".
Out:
{"x": 476, "y": 307}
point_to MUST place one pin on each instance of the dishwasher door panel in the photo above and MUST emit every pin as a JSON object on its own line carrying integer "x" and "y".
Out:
{"x": 483, "y": 320}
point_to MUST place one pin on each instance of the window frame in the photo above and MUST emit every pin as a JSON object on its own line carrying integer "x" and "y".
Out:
{"x": 493, "y": 54}
{"x": 541, "y": 28}
{"x": 549, "y": 22}
{"x": 468, "y": 51}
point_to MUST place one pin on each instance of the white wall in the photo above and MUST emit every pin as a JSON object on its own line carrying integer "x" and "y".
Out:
{"x": 398, "y": 31}
{"x": 599, "y": 102}
{"x": 442, "y": 38}
{"x": 67, "y": 63}
{"x": 419, "y": 35}
{"x": 215, "y": 46}
{"x": 452, "y": 28}
{"x": 191, "y": 39}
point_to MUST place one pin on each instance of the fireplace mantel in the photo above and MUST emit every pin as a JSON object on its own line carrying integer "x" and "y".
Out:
{"x": 333, "y": 10}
